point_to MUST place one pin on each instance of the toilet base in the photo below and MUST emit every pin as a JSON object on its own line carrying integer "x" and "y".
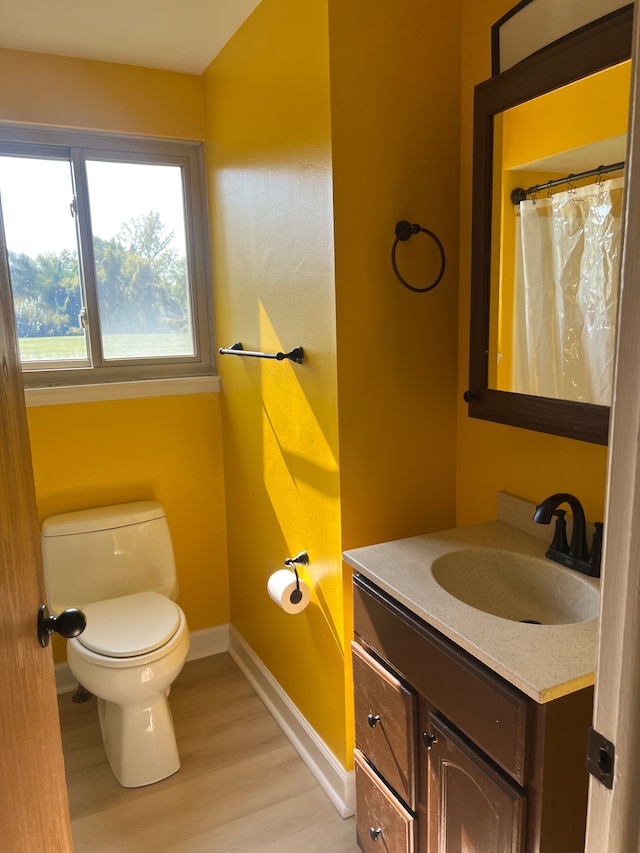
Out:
{"x": 139, "y": 740}
{"x": 133, "y": 708}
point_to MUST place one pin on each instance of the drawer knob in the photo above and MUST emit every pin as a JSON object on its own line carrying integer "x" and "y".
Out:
{"x": 373, "y": 720}
{"x": 429, "y": 740}
{"x": 375, "y": 833}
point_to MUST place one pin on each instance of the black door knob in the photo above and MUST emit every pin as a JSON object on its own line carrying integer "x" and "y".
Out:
{"x": 70, "y": 623}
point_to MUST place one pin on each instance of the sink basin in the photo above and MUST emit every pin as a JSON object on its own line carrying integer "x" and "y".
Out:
{"x": 516, "y": 586}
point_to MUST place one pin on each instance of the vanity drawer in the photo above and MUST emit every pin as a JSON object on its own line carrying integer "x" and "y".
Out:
{"x": 385, "y": 717}
{"x": 382, "y": 822}
{"x": 480, "y": 704}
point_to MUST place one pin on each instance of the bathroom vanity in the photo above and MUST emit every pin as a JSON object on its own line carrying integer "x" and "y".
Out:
{"x": 471, "y": 727}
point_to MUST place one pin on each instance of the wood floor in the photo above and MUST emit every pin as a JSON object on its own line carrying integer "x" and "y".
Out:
{"x": 242, "y": 787}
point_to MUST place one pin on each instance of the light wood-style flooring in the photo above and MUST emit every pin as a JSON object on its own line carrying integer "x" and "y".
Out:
{"x": 242, "y": 788}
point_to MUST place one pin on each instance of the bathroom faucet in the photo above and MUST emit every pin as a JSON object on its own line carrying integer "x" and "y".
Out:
{"x": 575, "y": 555}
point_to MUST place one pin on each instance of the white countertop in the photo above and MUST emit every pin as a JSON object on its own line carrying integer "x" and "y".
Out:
{"x": 544, "y": 661}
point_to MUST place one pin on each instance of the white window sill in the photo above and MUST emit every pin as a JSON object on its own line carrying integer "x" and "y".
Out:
{"x": 58, "y": 395}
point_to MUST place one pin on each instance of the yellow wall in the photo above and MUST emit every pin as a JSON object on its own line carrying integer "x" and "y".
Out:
{"x": 388, "y": 133}
{"x": 269, "y": 174}
{"x": 576, "y": 115}
{"x": 395, "y": 133}
{"x": 395, "y": 129}
{"x": 269, "y": 149}
{"x": 167, "y": 449}
{"x": 59, "y": 91}
{"x": 493, "y": 457}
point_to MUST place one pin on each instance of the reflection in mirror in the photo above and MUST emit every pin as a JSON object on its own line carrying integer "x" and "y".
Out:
{"x": 532, "y": 24}
{"x": 554, "y": 285}
{"x": 543, "y": 309}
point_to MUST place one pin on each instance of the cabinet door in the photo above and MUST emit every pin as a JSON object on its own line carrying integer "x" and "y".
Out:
{"x": 471, "y": 807}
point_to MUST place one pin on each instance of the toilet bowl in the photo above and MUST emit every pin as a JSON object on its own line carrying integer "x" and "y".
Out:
{"x": 118, "y": 561}
{"x": 132, "y": 689}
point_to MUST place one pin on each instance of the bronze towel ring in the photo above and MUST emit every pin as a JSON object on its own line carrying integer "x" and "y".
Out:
{"x": 404, "y": 231}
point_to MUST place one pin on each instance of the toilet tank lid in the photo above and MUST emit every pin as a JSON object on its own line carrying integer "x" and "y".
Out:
{"x": 101, "y": 518}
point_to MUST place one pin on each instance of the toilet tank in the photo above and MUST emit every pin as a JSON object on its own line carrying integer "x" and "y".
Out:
{"x": 102, "y": 553}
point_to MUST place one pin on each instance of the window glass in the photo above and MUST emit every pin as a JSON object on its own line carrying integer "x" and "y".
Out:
{"x": 139, "y": 247}
{"x": 37, "y": 196}
{"x": 107, "y": 244}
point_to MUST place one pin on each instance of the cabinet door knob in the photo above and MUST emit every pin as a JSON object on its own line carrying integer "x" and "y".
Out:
{"x": 375, "y": 833}
{"x": 428, "y": 740}
{"x": 373, "y": 720}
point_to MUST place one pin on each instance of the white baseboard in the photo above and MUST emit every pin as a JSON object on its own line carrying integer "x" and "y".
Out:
{"x": 337, "y": 783}
{"x": 65, "y": 682}
{"x": 208, "y": 641}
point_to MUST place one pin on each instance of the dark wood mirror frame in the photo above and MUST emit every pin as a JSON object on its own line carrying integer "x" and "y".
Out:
{"x": 590, "y": 49}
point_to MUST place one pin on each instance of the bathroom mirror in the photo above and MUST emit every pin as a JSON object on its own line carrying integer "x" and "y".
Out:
{"x": 533, "y": 24}
{"x": 560, "y": 112}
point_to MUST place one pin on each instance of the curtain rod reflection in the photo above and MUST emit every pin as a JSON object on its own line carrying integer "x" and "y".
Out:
{"x": 519, "y": 194}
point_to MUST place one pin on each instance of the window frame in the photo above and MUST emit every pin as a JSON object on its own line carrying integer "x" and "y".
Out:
{"x": 91, "y": 145}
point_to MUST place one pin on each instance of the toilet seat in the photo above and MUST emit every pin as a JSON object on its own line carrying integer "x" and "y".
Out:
{"x": 131, "y": 625}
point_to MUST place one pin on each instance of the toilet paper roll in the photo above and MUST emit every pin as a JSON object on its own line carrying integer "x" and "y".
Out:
{"x": 282, "y": 588}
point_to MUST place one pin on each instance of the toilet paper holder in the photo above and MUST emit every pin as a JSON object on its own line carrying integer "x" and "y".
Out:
{"x": 301, "y": 559}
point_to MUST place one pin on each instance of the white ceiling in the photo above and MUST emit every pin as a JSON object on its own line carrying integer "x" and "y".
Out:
{"x": 605, "y": 151}
{"x": 179, "y": 35}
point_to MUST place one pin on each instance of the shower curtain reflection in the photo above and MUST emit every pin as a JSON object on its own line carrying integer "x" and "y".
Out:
{"x": 566, "y": 293}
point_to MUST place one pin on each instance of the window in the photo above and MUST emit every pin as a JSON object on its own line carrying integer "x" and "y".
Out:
{"x": 107, "y": 252}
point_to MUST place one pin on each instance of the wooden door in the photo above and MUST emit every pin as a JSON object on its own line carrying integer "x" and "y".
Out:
{"x": 34, "y": 811}
{"x": 470, "y": 805}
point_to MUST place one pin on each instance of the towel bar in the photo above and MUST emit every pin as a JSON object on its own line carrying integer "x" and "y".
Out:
{"x": 296, "y": 354}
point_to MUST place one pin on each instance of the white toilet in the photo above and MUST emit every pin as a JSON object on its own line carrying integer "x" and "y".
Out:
{"x": 116, "y": 564}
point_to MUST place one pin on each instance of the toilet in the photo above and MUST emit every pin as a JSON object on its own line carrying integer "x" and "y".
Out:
{"x": 116, "y": 564}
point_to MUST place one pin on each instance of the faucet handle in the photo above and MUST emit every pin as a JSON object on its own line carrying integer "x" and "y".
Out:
{"x": 596, "y": 550}
{"x": 560, "y": 542}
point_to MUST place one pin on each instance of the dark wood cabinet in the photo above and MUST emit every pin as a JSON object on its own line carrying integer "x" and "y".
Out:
{"x": 384, "y": 823}
{"x": 477, "y": 809}
{"x": 450, "y": 758}
{"x": 386, "y": 722}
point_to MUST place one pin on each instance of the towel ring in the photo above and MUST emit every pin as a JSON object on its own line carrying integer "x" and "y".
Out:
{"x": 404, "y": 231}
